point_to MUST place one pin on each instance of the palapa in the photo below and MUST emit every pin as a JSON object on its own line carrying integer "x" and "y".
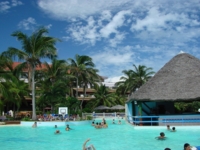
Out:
{"x": 177, "y": 80}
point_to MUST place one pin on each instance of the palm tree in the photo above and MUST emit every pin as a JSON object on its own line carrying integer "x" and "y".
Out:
{"x": 34, "y": 47}
{"x": 103, "y": 97}
{"x": 51, "y": 94}
{"x": 56, "y": 70}
{"x": 133, "y": 79}
{"x": 15, "y": 89}
{"x": 126, "y": 83}
{"x": 142, "y": 74}
{"x": 83, "y": 70}
{"x": 52, "y": 78}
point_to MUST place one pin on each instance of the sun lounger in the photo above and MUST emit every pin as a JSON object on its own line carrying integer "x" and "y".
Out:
{"x": 3, "y": 118}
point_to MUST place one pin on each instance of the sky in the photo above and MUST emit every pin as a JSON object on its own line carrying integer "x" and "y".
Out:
{"x": 115, "y": 33}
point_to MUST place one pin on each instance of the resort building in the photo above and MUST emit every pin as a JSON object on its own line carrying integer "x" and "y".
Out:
{"x": 78, "y": 91}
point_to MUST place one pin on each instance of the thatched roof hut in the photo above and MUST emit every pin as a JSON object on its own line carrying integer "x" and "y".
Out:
{"x": 178, "y": 80}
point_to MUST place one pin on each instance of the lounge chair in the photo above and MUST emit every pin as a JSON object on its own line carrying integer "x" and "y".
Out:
{"x": 3, "y": 118}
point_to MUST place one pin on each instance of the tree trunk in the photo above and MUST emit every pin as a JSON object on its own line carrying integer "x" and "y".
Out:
{"x": 33, "y": 93}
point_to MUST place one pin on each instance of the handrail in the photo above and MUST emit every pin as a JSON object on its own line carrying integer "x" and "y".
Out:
{"x": 104, "y": 115}
{"x": 164, "y": 120}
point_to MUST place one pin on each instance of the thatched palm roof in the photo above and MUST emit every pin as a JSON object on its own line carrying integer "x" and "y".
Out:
{"x": 178, "y": 80}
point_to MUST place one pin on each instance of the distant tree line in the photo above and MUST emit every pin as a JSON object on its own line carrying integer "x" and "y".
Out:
{"x": 53, "y": 84}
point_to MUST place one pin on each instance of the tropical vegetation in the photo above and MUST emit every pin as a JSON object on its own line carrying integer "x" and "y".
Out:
{"x": 55, "y": 84}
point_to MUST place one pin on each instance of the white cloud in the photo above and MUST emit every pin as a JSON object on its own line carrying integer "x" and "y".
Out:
{"x": 117, "y": 39}
{"x": 111, "y": 61}
{"x": 84, "y": 33}
{"x": 16, "y": 3}
{"x": 62, "y": 9}
{"x": 27, "y": 24}
{"x": 49, "y": 26}
{"x": 103, "y": 27}
{"x": 117, "y": 22}
{"x": 30, "y": 24}
{"x": 154, "y": 30}
{"x": 6, "y": 5}
{"x": 113, "y": 80}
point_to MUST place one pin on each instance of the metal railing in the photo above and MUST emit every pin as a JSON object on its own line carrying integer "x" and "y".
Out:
{"x": 164, "y": 120}
{"x": 104, "y": 115}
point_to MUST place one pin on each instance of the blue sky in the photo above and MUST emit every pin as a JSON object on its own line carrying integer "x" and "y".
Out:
{"x": 115, "y": 33}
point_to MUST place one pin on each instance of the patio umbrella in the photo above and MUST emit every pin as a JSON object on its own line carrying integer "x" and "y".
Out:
{"x": 47, "y": 108}
{"x": 101, "y": 107}
{"x": 118, "y": 107}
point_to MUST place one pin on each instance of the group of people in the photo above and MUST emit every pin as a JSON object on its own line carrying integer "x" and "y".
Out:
{"x": 119, "y": 121}
{"x": 172, "y": 130}
{"x": 103, "y": 124}
{"x": 99, "y": 125}
{"x": 58, "y": 131}
{"x": 162, "y": 134}
{"x": 186, "y": 145}
{"x": 48, "y": 117}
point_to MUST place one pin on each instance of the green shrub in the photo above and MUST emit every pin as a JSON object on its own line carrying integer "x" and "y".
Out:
{"x": 26, "y": 119}
{"x": 89, "y": 117}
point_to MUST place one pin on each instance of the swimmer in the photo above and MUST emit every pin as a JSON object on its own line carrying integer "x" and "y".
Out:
{"x": 68, "y": 128}
{"x": 161, "y": 137}
{"x": 168, "y": 127}
{"x": 187, "y": 146}
{"x": 93, "y": 123}
{"x": 34, "y": 125}
{"x": 119, "y": 122}
{"x": 57, "y": 132}
{"x": 55, "y": 126}
{"x": 173, "y": 129}
{"x": 167, "y": 149}
{"x": 113, "y": 121}
{"x": 91, "y": 147}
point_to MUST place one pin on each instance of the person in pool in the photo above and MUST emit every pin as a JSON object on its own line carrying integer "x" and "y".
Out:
{"x": 91, "y": 147}
{"x": 168, "y": 127}
{"x": 67, "y": 128}
{"x": 187, "y": 146}
{"x": 93, "y": 124}
{"x": 57, "y": 132}
{"x": 167, "y": 149}
{"x": 162, "y": 136}
{"x": 34, "y": 125}
{"x": 173, "y": 129}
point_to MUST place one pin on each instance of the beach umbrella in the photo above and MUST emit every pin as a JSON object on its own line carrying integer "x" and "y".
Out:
{"x": 118, "y": 107}
{"x": 101, "y": 107}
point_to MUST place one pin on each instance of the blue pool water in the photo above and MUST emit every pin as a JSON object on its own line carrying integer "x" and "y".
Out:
{"x": 115, "y": 137}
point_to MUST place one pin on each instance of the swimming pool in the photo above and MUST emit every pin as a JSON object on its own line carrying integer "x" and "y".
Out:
{"x": 115, "y": 137}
